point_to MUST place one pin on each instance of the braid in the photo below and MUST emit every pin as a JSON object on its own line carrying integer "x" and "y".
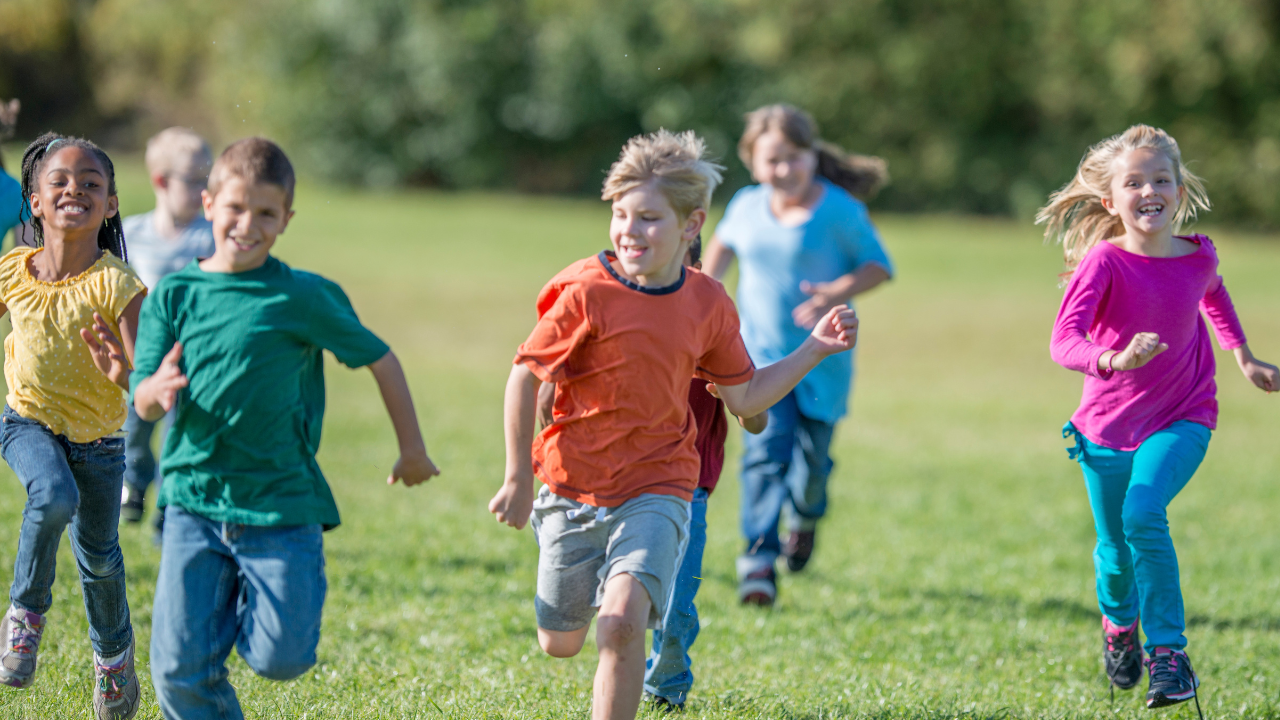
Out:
{"x": 111, "y": 234}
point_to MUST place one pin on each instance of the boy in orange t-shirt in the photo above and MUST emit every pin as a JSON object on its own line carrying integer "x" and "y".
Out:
{"x": 621, "y": 333}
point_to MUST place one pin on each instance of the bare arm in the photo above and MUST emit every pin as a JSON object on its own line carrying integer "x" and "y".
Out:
{"x": 1265, "y": 375}
{"x": 716, "y": 259}
{"x": 413, "y": 466}
{"x": 755, "y": 424}
{"x": 836, "y": 332}
{"x": 824, "y": 296}
{"x": 113, "y": 356}
{"x": 514, "y": 502}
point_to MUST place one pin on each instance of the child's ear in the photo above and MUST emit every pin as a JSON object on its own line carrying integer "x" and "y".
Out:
{"x": 160, "y": 181}
{"x": 1109, "y": 206}
{"x": 693, "y": 225}
{"x": 113, "y": 206}
{"x": 206, "y": 199}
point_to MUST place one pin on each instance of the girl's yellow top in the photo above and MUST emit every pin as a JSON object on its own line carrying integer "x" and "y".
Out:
{"x": 50, "y": 373}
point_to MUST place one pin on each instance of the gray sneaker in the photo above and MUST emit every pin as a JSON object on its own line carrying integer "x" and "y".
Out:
{"x": 20, "y": 632}
{"x": 115, "y": 695}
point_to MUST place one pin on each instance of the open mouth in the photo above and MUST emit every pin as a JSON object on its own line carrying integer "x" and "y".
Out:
{"x": 1150, "y": 209}
{"x": 73, "y": 208}
{"x": 243, "y": 245}
{"x": 631, "y": 252}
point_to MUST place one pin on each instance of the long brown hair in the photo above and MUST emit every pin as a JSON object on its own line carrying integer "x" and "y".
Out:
{"x": 861, "y": 175}
{"x": 1075, "y": 216}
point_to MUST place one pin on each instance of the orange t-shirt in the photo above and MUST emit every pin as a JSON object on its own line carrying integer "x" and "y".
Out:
{"x": 621, "y": 356}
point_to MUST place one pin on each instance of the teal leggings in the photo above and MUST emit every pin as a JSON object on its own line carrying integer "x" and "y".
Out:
{"x": 1137, "y": 568}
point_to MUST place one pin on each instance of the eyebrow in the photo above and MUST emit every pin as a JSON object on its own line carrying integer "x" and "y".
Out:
{"x": 69, "y": 170}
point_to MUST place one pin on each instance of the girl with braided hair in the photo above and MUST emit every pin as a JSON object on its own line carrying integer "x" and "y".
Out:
{"x": 74, "y": 305}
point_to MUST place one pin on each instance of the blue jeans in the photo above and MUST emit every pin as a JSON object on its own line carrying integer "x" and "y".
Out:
{"x": 1137, "y": 568}
{"x": 140, "y": 461}
{"x": 784, "y": 469}
{"x": 667, "y": 671}
{"x": 75, "y": 484}
{"x": 259, "y": 589}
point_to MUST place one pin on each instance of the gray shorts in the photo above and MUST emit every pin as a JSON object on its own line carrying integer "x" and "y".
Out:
{"x": 582, "y": 547}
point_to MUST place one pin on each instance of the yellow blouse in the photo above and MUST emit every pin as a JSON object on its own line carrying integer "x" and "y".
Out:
{"x": 51, "y": 376}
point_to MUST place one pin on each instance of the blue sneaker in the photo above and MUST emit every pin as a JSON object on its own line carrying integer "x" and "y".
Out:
{"x": 1172, "y": 679}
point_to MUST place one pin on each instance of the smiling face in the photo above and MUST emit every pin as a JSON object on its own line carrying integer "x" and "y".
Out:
{"x": 246, "y": 217}
{"x": 778, "y": 162}
{"x": 649, "y": 238}
{"x": 72, "y": 197}
{"x": 1144, "y": 192}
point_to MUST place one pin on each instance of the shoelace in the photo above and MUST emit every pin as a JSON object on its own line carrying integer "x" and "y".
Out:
{"x": 112, "y": 680}
{"x": 23, "y": 638}
{"x": 1163, "y": 667}
{"x": 1123, "y": 639}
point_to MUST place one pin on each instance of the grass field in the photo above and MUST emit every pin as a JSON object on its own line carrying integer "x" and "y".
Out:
{"x": 952, "y": 580}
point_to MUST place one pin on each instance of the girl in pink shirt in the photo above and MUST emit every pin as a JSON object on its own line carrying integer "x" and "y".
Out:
{"x": 1131, "y": 322}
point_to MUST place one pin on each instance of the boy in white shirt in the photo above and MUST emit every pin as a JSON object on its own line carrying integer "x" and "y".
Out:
{"x": 160, "y": 242}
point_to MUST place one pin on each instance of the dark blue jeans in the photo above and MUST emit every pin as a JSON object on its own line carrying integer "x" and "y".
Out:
{"x": 75, "y": 484}
{"x": 257, "y": 589}
{"x": 784, "y": 469}
{"x": 668, "y": 671}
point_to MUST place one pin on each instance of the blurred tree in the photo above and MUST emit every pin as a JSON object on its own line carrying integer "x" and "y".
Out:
{"x": 979, "y": 105}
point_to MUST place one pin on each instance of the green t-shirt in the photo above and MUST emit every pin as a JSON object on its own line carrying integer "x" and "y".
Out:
{"x": 243, "y": 443}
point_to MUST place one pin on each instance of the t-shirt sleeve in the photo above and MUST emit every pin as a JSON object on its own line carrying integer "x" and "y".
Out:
{"x": 725, "y": 360}
{"x": 155, "y": 339}
{"x": 563, "y": 326}
{"x": 10, "y": 262}
{"x": 125, "y": 286}
{"x": 728, "y": 230}
{"x": 1070, "y": 346}
{"x": 861, "y": 240}
{"x": 1221, "y": 312}
{"x": 10, "y": 203}
{"x": 334, "y": 326}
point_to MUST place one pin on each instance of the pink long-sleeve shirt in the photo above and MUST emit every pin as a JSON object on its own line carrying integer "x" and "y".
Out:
{"x": 1115, "y": 294}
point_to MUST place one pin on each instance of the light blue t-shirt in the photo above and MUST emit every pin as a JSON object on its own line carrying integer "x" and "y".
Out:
{"x": 10, "y": 202}
{"x": 772, "y": 260}
{"x": 153, "y": 256}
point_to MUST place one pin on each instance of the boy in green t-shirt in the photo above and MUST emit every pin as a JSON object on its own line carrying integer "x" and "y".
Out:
{"x": 235, "y": 342}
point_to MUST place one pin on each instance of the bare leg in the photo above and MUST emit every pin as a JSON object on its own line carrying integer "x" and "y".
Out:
{"x": 562, "y": 643}
{"x": 620, "y": 627}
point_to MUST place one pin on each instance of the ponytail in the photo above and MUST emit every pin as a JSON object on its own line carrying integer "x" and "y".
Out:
{"x": 111, "y": 234}
{"x": 861, "y": 175}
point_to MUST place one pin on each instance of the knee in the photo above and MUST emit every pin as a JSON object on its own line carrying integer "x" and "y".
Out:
{"x": 616, "y": 632}
{"x": 56, "y": 507}
{"x": 561, "y": 644}
{"x": 1111, "y": 558}
{"x": 1142, "y": 519}
{"x": 281, "y": 665}
{"x": 103, "y": 566}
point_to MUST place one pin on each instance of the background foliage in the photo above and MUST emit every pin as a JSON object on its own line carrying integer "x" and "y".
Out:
{"x": 979, "y": 105}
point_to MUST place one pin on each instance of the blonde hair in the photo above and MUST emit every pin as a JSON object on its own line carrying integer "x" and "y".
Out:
{"x": 1075, "y": 216}
{"x": 166, "y": 146}
{"x": 684, "y": 176}
{"x": 861, "y": 175}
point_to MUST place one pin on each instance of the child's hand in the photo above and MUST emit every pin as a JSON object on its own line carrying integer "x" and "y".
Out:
{"x": 822, "y": 298}
{"x": 1142, "y": 348}
{"x": 1265, "y": 375}
{"x": 107, "y": 351}
{"x": 168, "y": 378}
{"x": 413, "y": 469}
{"x": 514, "y": 502}
{"x": 837, "y": 331}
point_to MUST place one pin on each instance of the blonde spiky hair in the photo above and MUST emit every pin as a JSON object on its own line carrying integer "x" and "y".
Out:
{"x": 676, "y": 161}
{"x": 166, "y": 147}
{"x": 1075, "y": 216}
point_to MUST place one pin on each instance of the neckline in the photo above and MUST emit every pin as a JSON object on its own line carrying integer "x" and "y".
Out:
{"x": 813, "y": 211}
{"x": 606, "y": 255}
{"x": 74, "y": 279}
{"x": 1197, "y": 239}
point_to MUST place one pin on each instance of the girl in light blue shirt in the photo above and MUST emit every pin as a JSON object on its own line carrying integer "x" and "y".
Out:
{"x": 804, "y": 243}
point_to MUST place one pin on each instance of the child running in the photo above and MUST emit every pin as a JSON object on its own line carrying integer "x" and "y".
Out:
{"x": 1130, "y": 321}
{"x": 161, "y": 242}
{"x": 69, "y": 300}
{"x": 620, "y": 334}
{"x": 668, "y": 676}
{"x": 804, "y": 244}
{"x": 234, "y": 343}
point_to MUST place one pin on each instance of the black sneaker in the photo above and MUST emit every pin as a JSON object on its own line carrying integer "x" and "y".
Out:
{"x": 661, "y": 704}
{"x": 1122, "y": 654}
{"x": 132, "y": 503}
{"x": 798, "y": 549}
{"x": 1172, "y": 679}
{"x": 759, "y": 588}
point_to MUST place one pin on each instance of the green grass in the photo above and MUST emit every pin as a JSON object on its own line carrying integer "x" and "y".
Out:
{"x": 953, "y": 578}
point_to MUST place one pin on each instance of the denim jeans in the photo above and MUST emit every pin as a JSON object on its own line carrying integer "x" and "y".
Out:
{"x": 75, "y": 484}
{"x": 258, "y": 589}
{"x": 1136, "y": 566}
{"x": 140, "y": 461}
{"x": 784, "y": 470}
{"x": 668, "y": 672}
